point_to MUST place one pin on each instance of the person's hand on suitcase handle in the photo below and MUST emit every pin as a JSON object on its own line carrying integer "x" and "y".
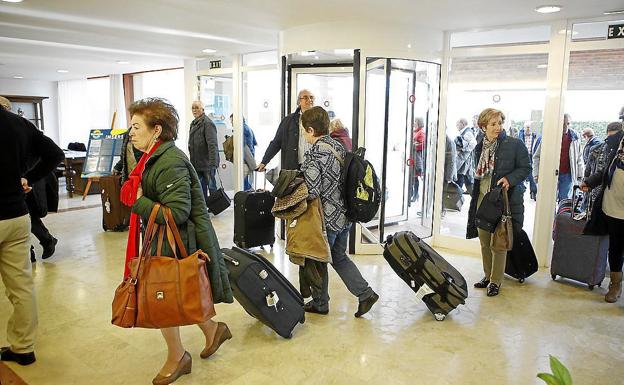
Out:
{"x": 261, "y": 167}
{"x": 584, "y": 187}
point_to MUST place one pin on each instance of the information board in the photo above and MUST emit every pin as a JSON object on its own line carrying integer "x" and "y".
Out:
{"x": 103, "y": 152}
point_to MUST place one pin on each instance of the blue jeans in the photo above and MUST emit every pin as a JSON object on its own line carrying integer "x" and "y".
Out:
{"x": 345, "y": 268}
{"x": 564, "y": 186}
{"x": 207, "y": 181}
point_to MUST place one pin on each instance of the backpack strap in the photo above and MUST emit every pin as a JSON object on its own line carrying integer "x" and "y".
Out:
{"x": 333, "y": 150}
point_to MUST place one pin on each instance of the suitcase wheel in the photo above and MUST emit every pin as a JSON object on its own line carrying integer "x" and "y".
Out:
{"x": 590, "y": 287}
{"x": 302, "y": 320}
{"x": 554, "y": 276}
{"x": 271, "y": 246}
{"x": 521, "y": 280}
{"x": 439, "y": 316}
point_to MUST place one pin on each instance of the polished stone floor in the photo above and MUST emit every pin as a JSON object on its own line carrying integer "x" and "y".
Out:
{"x": 501, "y": 340}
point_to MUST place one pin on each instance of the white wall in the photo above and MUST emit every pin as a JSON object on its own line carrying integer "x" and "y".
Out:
{"x": 37, "y": 88}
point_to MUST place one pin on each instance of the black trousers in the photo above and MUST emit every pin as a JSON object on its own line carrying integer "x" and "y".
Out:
{"x": 39, "y": 230}
{"x": 615, "y": 228}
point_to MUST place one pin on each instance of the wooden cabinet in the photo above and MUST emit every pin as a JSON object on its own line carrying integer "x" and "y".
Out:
{"x": 30, "y": 107}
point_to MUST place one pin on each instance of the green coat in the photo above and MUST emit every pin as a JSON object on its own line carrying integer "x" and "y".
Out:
{"x": 169, "y": 178}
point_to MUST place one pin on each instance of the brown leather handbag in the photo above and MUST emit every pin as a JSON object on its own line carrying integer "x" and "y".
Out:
{"x": 164, "y": 291}
{"x": 502, "y": 238}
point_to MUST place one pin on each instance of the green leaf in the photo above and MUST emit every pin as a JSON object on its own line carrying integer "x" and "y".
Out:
{"x": 549, "y": 379}
{"x": 560, "y": 371}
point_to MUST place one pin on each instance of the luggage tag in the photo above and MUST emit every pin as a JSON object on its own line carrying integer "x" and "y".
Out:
{"x": 423, "y": 291}
{"x": 272, "y": 299}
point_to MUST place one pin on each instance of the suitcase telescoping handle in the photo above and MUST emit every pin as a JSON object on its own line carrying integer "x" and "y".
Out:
{"x": 256, "y": 181}
{"x": 576, "y": 197}
{"x": 230, "y": 259}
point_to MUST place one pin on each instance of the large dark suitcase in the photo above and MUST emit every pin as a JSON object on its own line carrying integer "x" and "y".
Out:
{"x": 521, "y": 259}
{"x": 577, "y": 256}
{"x": 115, "y": 215}
{"x": 440, "y": 286}
{"x": 263, "y": 291}
{"x": 254, "y": 224}
{"x": 452, "y": 196}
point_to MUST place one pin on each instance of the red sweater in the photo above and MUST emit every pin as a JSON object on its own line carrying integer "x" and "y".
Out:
{"x": 564, "y": 158}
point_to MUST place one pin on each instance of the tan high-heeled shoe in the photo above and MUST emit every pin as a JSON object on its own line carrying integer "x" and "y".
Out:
{"x": 184, "y": 367}
{"x": 223, "y": 334}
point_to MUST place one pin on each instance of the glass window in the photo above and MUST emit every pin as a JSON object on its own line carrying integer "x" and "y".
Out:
{"x": 514, "y": 84}
{"x": 532, "y": 34}
{"x": 592, "y": 31}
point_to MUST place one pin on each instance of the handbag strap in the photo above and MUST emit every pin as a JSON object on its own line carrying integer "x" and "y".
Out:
{"x": 506, "y": 202}
{"x": 219, "y": 175}
{"x": 333, "y": 150}
{"x": 150, "y": 232}
{"x": 173, "y": 228}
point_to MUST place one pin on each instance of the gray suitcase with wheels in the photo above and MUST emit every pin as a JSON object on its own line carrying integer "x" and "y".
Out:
{"x": 582, "y": 258}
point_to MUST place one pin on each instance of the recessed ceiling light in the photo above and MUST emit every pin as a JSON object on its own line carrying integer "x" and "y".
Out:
{"x": 18, "y": 77}
{"x": 346, "y": 52}
{"x": 12, "y": 1}
{"x": 209, "y": 50}
{"x": 409, "y": 46}
{"x": 62, "y": 71}
{"x": 542, "y": 66}
{"x": 617, "y": 12}
{"x": 564, "y": 31}
{"x": 307, "y": 53}
{"x": 123, "y": 62}
{"x": 548, "y": 8}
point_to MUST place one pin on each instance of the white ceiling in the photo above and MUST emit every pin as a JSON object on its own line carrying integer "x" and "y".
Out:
{"x": 37, "y": 37}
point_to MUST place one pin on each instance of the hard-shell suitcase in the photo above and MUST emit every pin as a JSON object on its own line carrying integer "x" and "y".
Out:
{"x": 254, "y": 224}
{"x": 577, "y": 256}
{"x": 263, "y": 291}
{"x": 452, "y": 196}
{"x": 521, "y": 259}
{"x": 115, "y": 215}
{"x": 440, "y": 286}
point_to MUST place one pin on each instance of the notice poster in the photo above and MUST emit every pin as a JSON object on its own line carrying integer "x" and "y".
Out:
{"x": 103, "y": 152}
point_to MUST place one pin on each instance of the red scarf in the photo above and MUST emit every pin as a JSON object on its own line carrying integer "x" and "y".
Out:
{"x": 128, "y": 196}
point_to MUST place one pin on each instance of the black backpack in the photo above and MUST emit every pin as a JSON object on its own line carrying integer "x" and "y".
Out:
{"x": 361, "y": 190}
{"x": 360, "y": 185}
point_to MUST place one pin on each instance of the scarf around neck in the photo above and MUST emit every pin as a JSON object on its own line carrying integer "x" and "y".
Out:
{"x": 487, "y": 160}
{"x": 128, "y": 197}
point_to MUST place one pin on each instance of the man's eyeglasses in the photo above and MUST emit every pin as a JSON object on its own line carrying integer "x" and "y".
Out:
{"x": 307, "y": 97}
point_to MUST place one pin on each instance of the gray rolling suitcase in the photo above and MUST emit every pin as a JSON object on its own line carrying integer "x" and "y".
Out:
{"x": 438, "y": 284}
{"x": 576, "y": 256}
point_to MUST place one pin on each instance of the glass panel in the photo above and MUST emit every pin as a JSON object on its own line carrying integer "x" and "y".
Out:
{"x": 261, "y": 106}
{"x": 593, "y": 99}
{"x": 533, "y": 34}
{"x": 216, "y": 95}
{"x": 374, "y": 131}
{"x": 514, "y": 84}
{"x": 260, "y": 58}
{"x": 410, "y": 158}
{"x": 592, "y": 31}
{"x": 333, "y": 92}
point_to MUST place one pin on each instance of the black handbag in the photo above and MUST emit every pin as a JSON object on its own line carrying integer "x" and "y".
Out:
{"x": 218, "y": 200}
{"x": 491, "y": 210}
{"x": 452, "y": 196}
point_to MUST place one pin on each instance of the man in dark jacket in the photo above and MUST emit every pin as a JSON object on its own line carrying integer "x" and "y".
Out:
{"x": 21, "y": 139}
{"x": 288, "y": 138}
{"x": 204, "y": 148}
{"x": 532, "y": 143}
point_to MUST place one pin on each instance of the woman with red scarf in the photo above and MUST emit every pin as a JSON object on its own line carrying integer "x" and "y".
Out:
{"x": 164, "y": 175}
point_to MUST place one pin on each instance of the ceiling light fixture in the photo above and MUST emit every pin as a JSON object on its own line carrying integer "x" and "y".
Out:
{"x": 548, "y": 8}
{"x": 123, "y": 62}
{"x": 409, "y": 46}
{"x": 12, "y": 1}
{"x": 209, "y": 50}
{"x": 307, "y": 53}
{"x": 316, "y": 57}
{"x": 616, "y": 12}
{"x": 18, "y": 77}
{"x": 542, "y": 66}
{"x": 341, "y": 51}
{"x": 62, "y": 71}
{"x": 564, "y": 31}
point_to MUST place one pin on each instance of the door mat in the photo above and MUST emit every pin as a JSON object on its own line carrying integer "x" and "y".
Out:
{"x": 8, "y": 377}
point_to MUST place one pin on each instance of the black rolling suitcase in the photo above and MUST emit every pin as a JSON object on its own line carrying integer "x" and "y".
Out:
{"x": 115, "y": 215}
{"x": 440, "y": 286}
{"x": 263, "y": 291}
{"x": 521, "y": 259}
{"x": 254, "y": 224}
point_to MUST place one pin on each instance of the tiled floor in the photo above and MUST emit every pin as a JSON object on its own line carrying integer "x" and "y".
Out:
{"x": 501, "y": 340}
